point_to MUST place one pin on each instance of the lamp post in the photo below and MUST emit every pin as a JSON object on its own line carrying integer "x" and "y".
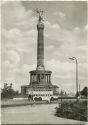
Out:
{"x": 61, "y": 95}
{"x": 74, "y": 58}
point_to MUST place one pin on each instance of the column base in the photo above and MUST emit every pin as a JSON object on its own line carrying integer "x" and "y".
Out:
{"x": 40, "y": 68}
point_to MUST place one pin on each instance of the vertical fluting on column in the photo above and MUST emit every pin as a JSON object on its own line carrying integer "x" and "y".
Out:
{"x": 40, "y": 46}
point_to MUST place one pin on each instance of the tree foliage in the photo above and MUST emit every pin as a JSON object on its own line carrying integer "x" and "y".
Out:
{"x": 84, "y": 91}
{"x": 8, "y": 91}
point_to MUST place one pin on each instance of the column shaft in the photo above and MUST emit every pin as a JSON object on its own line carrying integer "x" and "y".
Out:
{"x": 40, "y": 46}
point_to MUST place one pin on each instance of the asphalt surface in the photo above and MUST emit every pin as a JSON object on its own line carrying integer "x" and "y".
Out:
{"x": 34, "y": 114}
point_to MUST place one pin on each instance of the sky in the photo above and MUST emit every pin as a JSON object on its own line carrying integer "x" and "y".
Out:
{"x": 65, "y": 35}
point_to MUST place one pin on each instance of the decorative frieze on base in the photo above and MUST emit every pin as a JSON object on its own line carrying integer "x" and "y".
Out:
{"x": 40, "y": 77}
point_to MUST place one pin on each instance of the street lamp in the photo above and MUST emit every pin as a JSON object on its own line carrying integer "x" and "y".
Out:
{"x": 74, "y": 58}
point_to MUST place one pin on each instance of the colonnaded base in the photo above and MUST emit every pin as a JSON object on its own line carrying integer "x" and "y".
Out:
{"x": 38, "y": 77}
{"x": 40, "y": 85}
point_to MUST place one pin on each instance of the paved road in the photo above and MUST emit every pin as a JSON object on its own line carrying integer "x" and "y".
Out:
{"x": 36, "y": 114}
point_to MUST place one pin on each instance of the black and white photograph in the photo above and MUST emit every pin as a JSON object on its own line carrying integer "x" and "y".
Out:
{"x": 44, "y": 62}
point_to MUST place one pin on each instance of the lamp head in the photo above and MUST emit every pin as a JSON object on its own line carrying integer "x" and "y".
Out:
{"x": 71, "y": 58}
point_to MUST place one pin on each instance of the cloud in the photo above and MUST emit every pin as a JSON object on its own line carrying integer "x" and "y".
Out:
{"x": 64, "y": 74}
{"x": 86, "y": 27}
{"x": 65, "y": 42}
{"x": 63, "y": 35}
{"x": 60, "y": 15}
{"x": 18, "y": 39}
{"x": 13, "y": 57}
{"x": 14, "y": 33}
{"x": 17, "y": 16}
{"x": 18, "y": 31}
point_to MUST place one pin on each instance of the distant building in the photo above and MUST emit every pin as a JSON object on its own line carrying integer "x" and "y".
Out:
{"x": 40, "y": 79}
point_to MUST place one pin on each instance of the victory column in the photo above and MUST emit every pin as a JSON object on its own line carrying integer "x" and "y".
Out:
{"x": 40, "y": 79}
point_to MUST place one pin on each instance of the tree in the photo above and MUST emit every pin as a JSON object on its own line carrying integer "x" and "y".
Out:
{"x": 8, "y": 91}
{"x": 84, "y": 91}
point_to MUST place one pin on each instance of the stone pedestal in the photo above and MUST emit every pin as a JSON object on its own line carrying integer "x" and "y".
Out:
{"x": 42, "y": 77}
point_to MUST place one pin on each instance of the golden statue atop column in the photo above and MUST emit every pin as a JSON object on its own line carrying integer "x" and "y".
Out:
{"x": 40, "y": 12}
